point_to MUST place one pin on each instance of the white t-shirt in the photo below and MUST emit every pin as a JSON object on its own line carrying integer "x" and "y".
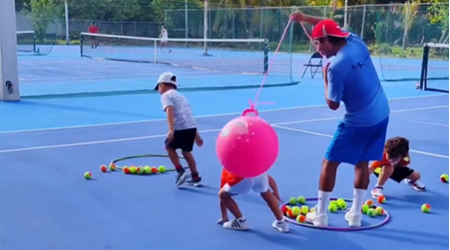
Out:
{"x": 164, "y": 34}
{"x": 183, "y": 117}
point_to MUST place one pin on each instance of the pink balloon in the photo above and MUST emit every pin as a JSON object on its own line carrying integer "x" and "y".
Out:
{"x": 247, "y": 146}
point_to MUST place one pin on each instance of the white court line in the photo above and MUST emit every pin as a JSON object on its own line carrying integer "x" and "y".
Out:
{"x": 330, "y": 136}
{"x": 201, "y": 116}
{"x": 427, "y": 123}
{"x": 202, "y": 131}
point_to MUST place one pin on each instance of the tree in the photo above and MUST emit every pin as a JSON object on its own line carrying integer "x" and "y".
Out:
{"x": 439, "y": 15}
{"x": 42, "y": 13}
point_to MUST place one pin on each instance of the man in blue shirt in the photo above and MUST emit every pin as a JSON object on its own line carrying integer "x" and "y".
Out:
{"x": 350, "y": 78}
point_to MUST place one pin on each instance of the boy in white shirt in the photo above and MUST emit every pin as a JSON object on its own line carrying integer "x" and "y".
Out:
{"x": 182, "y": 128}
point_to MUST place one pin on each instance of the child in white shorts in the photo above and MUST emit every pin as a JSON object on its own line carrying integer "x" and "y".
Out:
{"x": 263, "y": 184}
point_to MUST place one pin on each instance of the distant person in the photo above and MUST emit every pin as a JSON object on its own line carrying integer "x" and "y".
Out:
{"x": 349, "y": 77}
{"x": 93, "y": 29}
{"x": 182, "y": 128}
{"x": 395, "y": 166}
{"x": 164, "y": 39}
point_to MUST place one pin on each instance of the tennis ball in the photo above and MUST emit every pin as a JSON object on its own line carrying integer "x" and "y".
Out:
{"x": 426, "y": 208}
{"x": 162, "y": 169}
{"x": 371, "y": 212}
{"x": 304, "y": 210}
{"x": 340, "y": 200}
{"x": 295, "y": 211}
{"x": 301, "y": 218}
{"x": 332, "y": 207}
{"x": 103, "y": 168}
{"x": 126, "y": 170}
{"x": 147, "y": 170}
{"x": 369, "y": 203}
{"x": 406, "y": 159}
{"x": 284, "y": 209}
{"x": 381, "y": 199}
{"x": 87, "y": 175}
{"x": 154, "y": 170}
{"x": 364, "y": 208}
{"x": 301, "y": 199}
{"x": 292, "y": 201}
{"x": 290, "y": 214}
{"x": 312, "y": 210}
{"x": 444, "y": 178}
{"x": 140, "y": 170}
{"x": 379, "y": 211}
{"x": 334, "y": 202}
{"x": 112, "y": 167}
{"x": 342, "y": 204}
{"x": 133, "y": 169}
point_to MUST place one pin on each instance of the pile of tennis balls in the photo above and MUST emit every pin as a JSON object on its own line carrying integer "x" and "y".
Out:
{"x": 297, "y": 208}
{"x": 371, "y": 210}
{"x": 139, "y": 170}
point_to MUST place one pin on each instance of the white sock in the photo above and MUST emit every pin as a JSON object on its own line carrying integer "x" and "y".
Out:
{"x": 358, "y": 199}
{"x": 322, "y": 202}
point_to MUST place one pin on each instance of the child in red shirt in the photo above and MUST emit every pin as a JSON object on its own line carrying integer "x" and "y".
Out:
{"x": 233, "y": 185}
{"x": 394, "y": 165}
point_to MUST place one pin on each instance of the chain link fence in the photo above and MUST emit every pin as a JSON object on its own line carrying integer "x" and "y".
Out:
{"x": 388, "y": 29}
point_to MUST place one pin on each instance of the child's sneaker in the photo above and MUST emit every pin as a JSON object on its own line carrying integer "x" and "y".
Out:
{"x": 181, "y": 178}
{"x": 377, "y": 192}
{"x": 353, "y": 219}
{"x": 417, "y": 185}
{"x": 236, "y": 224}
{"x": 318, "y": 220}
{"x": 196, "y": 182}
{"x": 281, "y": 226}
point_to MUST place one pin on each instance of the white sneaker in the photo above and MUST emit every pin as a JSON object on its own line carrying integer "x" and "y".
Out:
{"x": 417, "y": 185}
{"x": 377, "y": 192}
{"x": 318, "y": 220}
{"x": 221, "y": 222}
{"x": 353, "y": 219}
{"x": 181, "y": 178}
{"x": 281, "y": 226}
{"x": 235, "y": 224}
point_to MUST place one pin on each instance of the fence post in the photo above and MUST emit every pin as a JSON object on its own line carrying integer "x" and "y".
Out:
{"x": 363, "y": 22}
{"x": 261, "y": 23}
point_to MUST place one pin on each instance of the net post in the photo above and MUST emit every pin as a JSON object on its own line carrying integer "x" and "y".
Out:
{"x": 34, "y": 43}
{"x": 9, "y": 74}
{"x": 81, "y": 44}
{"x": 266, "y": 56}
{"x": 423, "y": 72}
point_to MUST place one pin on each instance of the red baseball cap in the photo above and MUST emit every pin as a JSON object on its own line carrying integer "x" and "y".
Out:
{"x": 326, "y": 28}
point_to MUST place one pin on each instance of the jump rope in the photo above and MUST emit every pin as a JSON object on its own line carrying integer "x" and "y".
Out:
{"x": 255, "y": 102}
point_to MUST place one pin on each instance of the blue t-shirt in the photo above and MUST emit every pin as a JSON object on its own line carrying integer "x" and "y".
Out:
{"x": 352, "y": 79}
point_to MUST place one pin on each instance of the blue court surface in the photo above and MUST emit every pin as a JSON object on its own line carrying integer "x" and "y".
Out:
{"x": 46, "y": 145}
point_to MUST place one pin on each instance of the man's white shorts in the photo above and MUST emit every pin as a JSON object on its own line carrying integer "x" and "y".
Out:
{"x": 259, "y": 184}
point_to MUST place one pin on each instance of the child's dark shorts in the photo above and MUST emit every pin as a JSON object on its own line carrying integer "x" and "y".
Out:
{"x": 183, "y": 139}
{"x": 399, "y": 174}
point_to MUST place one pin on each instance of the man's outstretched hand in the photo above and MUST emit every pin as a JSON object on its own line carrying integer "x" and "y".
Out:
{"x": 298, "y": 16}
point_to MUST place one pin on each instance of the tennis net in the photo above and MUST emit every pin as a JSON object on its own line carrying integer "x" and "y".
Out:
{"x": 204, "y": 64}
{"x": 26, "y": 41}
{"x": 435, "y": 68}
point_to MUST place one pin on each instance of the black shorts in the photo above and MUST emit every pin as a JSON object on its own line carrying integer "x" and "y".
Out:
{"x": 183, "y": 139}
{"x": 400, "y": 173}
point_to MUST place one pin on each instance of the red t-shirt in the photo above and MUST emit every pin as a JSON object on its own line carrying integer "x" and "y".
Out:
{"x": 229, "y": 178}
{"x": 93, "y": 29}
{"x": 385, "y": 162}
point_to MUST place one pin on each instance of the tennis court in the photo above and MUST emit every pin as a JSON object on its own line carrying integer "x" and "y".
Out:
{"x": 48, "y": 143}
